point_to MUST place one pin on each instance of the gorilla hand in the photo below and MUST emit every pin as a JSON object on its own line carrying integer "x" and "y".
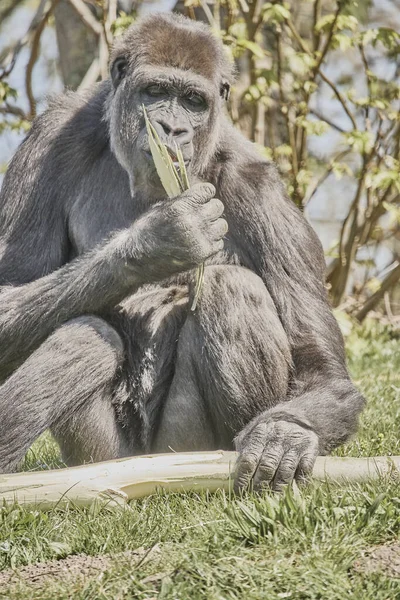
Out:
{"x": 179, "y": 234}
{"x": 273, "y": 453}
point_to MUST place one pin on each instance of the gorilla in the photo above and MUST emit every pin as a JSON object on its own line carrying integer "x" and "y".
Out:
{"x": 98, "y": 340}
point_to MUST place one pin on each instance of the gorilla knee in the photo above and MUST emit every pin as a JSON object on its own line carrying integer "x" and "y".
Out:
{"x": 237, "y": 310}
{"x": 88, "y": 330}
{"x": 235, "y": 285}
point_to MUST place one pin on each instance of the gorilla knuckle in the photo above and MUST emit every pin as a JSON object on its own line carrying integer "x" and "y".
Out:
{"x": 220, "y": 228}
{"x": 218, "y": 246}
{"x": 201, "y": 192}
{"x": 248, "y": 463}
{"x": 178, "y": 208}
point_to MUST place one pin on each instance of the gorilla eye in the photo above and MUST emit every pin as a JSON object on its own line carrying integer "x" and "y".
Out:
{"x": 195, "y": 100}
{"x": 118, "y": 70}
{"x": 155, "y": 91}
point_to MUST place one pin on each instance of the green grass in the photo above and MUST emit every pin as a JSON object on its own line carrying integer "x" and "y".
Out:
{"x": 215, "y": 547}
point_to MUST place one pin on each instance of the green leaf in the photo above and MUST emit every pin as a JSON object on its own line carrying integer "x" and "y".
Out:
{"x": 275, "y": 13}
{"x": 388, "y": 37}
{"x": 252, "y": 46}
{"x": 342, "y": 41}
{"x": 312, "y": 126}
{"x": 360, "y": 141}
{"x": 341, "y": 169}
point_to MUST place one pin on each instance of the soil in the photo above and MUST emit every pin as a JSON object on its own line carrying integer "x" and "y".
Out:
{"x": 75, "y": 567}
{"x": 383, "y": 559}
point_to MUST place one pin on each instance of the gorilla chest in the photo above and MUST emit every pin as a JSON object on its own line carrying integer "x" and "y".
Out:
{"x": 95, "y": 216}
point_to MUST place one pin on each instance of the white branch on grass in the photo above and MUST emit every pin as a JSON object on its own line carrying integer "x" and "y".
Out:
{"x": 129, "y": 478}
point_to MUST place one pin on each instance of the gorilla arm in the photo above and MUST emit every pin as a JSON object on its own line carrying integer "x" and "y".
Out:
{"x": 322, "y": 408}
{"x": 171, "y": 237}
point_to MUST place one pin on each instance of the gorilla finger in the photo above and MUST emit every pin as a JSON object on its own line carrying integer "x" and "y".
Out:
{"x": 200, "y": 193}
{"x": 286, "y": 470}
{"x": 268, "y": 466}
{"x": 247, "y": 465}
{"x": 218, "y": 229}
{"x": 217, "y": 246}
{"x": 213, "y": 209}
{"x": 305, "y": 467}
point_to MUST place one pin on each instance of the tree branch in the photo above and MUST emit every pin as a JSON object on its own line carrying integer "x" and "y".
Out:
{"x": 86, "y": 16}
{"x": 389, "y": 281}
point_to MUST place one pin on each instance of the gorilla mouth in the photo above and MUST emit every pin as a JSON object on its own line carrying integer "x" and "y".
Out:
{"x": 173, "y": 156}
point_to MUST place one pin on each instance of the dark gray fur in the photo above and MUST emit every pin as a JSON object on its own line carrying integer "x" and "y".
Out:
{"x": 97, "y": 338}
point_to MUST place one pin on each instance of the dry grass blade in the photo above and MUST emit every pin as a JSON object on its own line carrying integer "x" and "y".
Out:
{"x": 174, "y": 183}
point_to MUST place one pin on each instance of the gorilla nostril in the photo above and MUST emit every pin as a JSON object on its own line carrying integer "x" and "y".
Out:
{"x": 170, "y": 132}
{"x": 179, "y": 132}
{"x": 166, "y": 128}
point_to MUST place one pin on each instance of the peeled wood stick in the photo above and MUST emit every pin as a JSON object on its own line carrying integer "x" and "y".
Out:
{"x": 128, "y": 478}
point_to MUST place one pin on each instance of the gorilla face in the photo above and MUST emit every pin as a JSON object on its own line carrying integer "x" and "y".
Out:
{"x": 175, "y": 71}
{"x": 178, "y": 109}
{"x": 180, "y": 106}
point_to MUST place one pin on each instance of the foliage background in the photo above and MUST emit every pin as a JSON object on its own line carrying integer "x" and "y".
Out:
{"x": 317, "y": 90}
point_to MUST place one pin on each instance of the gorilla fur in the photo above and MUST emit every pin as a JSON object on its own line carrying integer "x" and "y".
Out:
{"x": 98, "y": 340}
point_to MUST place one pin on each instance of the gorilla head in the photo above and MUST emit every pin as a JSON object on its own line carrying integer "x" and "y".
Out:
{"x": 178, "y": 70}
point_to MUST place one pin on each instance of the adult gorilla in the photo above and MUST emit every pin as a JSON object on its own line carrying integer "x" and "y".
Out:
{"x": 98, "y": 341}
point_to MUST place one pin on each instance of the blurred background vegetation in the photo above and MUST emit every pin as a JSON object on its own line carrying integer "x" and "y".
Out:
{"x": 317, "y": 89}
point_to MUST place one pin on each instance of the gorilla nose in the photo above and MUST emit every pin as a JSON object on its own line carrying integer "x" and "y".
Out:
{"x": 168, "y": 131}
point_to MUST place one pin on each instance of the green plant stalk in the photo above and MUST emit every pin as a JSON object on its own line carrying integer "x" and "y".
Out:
{"x": 174, "y": 183}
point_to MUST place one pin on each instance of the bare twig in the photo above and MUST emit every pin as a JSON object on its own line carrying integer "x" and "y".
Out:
{"x": 368, "y": 77}
{"x": 91, "y": 76}
{"x": 284, "y": 106}
{"x": 348, "y": 245}
{"x": 103, "y": 57}
{"x": 8, "y": 10}
{"x": 388, "y": 308}
{"x": 316, "y": 18}
{"x": 328, "y": 41}
{"x": 13, "y": 110}
{"x": 318, "y": 70}
{"x": 389, "y": 281}
{"x": 34, "y": 56}
{"x": 328, "y": 171}
{"x": 208, "y": 13}
{"x": 322, "y": 117}
{"x": 339, "y": 96}
{"x": 109, "y": 20}
{"x": 12, "y": 55}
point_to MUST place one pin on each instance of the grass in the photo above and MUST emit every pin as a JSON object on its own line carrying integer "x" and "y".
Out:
{"x": 216, "y": 547}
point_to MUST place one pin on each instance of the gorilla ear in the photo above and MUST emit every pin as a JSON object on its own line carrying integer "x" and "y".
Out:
{"x": 118, "y": 70}
{"x": 225, "y": 90}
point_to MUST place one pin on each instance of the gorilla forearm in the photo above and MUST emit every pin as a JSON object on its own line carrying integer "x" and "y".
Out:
{"x": 30, "y": 312}
{"x": 331, "y": 409}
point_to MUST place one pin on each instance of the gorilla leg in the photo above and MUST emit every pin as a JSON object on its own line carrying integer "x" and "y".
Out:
{"x": 233, "y": 362}
{"x": 66, "y": 385}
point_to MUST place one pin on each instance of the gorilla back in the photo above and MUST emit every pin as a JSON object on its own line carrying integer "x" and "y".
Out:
{"x": 98, "y": 340}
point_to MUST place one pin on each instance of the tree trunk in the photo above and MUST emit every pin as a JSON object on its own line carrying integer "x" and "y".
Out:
{"x": 77, "y": 45}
